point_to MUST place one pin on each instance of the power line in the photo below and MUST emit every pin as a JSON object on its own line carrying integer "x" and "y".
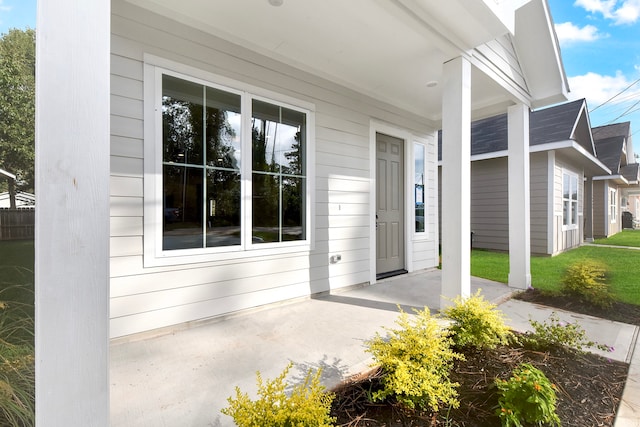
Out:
{"x": 616, "y": 95}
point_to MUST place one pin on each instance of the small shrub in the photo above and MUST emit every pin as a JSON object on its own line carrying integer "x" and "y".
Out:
{"x": 527, "y": 397}
{"x": 416, "y": 360}
{"x": 586, "y": 280}
{"x": 553, "y": 332}
{"x": 477, "y": 323}
{"x": 308, "y": 404}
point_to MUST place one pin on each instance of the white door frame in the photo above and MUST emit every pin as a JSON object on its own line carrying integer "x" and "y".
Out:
{"x": 377, "y": 126}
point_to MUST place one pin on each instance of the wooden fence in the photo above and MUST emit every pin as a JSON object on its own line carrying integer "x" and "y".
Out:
{"x": 16, "y": 224}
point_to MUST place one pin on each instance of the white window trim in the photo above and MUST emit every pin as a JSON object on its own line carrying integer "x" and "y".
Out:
{"x": 154, "y": 255}
{"x": 613, "y": 218}
{"x": 578, "y": 214}
{"x": 419, "y": 235}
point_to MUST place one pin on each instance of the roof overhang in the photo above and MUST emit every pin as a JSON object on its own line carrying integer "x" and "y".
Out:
{"x": 568, "y": 149}
{"x": 616, "y": 179}
{"x": 575, "y": 152}
{"x": 539, "y": 52}
{"x": 386, "y": 49}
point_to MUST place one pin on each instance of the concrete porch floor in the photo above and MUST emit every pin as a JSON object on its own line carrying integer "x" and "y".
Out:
{"x": 183, "y": 377}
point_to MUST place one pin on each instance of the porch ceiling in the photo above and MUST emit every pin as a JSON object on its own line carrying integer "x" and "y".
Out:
{"x": 387, "y": 49}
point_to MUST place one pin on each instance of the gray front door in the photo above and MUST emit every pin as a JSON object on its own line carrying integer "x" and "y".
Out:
{"x": 389, "y": 204}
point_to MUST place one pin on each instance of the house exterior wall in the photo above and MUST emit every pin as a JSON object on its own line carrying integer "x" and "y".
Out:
{"x": 600, "y": 193}
{"x": 490, "y": 204}
{"x": 539, "y": 202}
{"x": 145, "y": 298}
{"x": 604, "y": 225}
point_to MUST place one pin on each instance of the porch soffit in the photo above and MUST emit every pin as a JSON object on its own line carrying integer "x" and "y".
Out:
{"x": 387, "y": 49}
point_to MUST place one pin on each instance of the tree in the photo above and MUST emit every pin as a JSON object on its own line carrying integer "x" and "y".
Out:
{"x": 17, "y": 108}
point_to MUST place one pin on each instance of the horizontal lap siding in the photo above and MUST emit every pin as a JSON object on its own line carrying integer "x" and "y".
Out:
{"x": 148, "y": 298}
{"x": 490, "y": 204}
{"x": 539, "y": 202}
{"x": 600, "y": 208}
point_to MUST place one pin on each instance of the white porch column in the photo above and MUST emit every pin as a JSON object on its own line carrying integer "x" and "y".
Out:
{"x": 456, "y": 180}
{"x": 519, "y": 212}
{"x": 72, "y": 217}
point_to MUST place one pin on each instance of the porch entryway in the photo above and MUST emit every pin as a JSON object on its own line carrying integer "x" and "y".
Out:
{"x": 390, "y": 233}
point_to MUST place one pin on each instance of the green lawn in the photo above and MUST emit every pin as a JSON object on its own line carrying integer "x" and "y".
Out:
{"x": 623, "y": 267}
{"x": 16, "y": 271}
{"x": 624, "y": 238}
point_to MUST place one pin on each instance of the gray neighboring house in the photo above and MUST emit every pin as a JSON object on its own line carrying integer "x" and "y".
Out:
{"x": 611, "y": 192}
{"x": 562, "y": 159}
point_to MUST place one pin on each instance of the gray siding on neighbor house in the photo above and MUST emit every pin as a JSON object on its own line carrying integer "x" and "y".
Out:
{"x": 600, "y": 193}
{"x": 490, "y": 204}
{"x": 147, "y": 298}
{"x": 539, "y": 202}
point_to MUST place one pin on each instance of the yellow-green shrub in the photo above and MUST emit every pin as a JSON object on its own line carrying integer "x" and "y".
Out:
{"x": 308, "y": 404}
{"x": 416, "y": 360}
{"x": 477, "y": 323}
{"x": 587, "y": 280}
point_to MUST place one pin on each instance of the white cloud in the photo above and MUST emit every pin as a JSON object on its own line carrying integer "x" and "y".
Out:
{"x": 568, "y": 32}
{"x": 597, "y": 88}
{"x": 4, "y": 8}
{"x": 621, "y": 12}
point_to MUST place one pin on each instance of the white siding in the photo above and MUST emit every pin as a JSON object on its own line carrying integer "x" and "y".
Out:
{"x": 564, "y": 240}
{"x": 147, "y": 298}
{"x": 539, "y": 202}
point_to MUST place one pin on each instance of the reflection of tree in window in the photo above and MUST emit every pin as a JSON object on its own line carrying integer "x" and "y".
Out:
{"x": 200, "y": 183}
{"x": 278, "y": 173}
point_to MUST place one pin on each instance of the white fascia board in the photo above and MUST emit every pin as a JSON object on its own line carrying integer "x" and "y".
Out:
{"x": 573, "y": 145}
{"x": 619, "y": 179}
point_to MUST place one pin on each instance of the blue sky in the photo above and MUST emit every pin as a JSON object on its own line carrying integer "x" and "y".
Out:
{"x": 17, "y": 14}
{"x": 600, "y": 42}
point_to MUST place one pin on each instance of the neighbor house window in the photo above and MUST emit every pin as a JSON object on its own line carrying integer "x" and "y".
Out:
{"x": 613, "y": 205}
{"x": 569, "y": 199}
{"x": 418, "y": 150}
{"x": 231, "y": 172}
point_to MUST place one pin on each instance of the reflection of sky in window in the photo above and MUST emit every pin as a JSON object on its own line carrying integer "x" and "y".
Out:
{"x": 419, "y": 165}
{"x": 235, "y": 121}
{"x": 279, "y": 139}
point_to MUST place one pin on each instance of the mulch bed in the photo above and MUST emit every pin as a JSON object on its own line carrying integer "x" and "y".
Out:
{"x": 619, "y": 312}
{"x": 589, "y": 386}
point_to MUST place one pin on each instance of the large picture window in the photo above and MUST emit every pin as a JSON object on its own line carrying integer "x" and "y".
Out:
{"x": 201, "y": 149}
{"x": 278, "y": 178}
{"x": 233, "y": 172}
{"x": 569, "y": 199}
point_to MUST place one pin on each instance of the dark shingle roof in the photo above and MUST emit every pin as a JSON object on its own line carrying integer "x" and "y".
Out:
{"x": 545, "y": 126}
{"x": 608, "y": 131}
{"x": 609, "y": 141}
{"x": 630, "y": 172}
{"x": 554, "y": 124}
{"x": 609, "y": 152}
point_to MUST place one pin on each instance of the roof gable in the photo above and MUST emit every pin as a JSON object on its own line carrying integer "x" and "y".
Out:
{"x": 610, "y": 142}
{"x": 558, "y": 123}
